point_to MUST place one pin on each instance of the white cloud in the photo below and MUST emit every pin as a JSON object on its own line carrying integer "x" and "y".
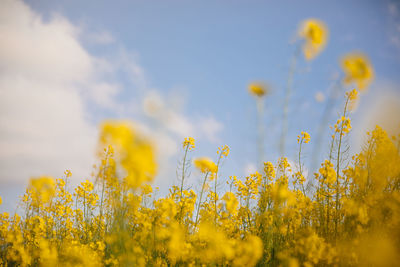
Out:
{"x": 102, "y": 38}
{"x": 49, "y": 87}
{"x": 210, "y": 128}
{"x": 169, "y": 115}
{"x": 46, "y": 79}
{"x": 34, "y": 49}
{"x": 127, "y": 62}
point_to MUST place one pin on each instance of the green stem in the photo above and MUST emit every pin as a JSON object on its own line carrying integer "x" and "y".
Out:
{"x": 288, "y": 92}
{"x": 201, "y": 196}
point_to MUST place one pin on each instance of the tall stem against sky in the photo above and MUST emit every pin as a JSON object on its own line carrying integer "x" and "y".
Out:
{"x": 260, "y": 139}
{"x": 288, "y": 92}
{"x": 326, "y": 115}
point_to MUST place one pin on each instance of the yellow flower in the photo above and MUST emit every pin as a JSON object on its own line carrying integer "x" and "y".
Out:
{"x": 43, "y": 188}
{"x": 205, "y": 165}
{"x": 357, "y": 69}
{"x": 189, "y": 143}
{"x": 315, "y": 34}
{"x": 224, "y": 150}
{"x": 304, "y": 136}
{"x": 258, "y": 89}
{"x": 136, "y": 153}
{"x": 231, "y": 203}
{"x": 269, "y": 170}
{"x": 352, "y": 95}
{"x": 343, "y": 125}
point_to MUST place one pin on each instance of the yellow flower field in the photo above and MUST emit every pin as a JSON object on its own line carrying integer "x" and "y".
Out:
{"x": 347, "y": 213}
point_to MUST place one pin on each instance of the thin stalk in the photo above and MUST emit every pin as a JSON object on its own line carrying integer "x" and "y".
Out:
{"x": 338, "y": 167}
{"x": 215, "y": 187}
{"x": 300, "y": 167}
{"x": 288, "y": 93}
{"x": 260, "y": 124}
{"x": 183, "y": 171}
{"x": 201, "y": 196}
{"x": 330, "y": 104}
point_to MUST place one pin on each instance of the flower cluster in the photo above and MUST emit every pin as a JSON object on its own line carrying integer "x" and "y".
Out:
{"x": 347, "y": 213}
{"x": 357, "y": 69}
{"x": 258, "y": 89}
{"x": 189, "y": 143}
{"x": 258, "y": 220}
{"x": 303, "y": 137}
{"x": 315, "y": 35}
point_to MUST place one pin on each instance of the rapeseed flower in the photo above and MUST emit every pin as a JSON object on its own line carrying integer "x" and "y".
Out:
{"x": 315, "y": 35}
{"x": 205, "y": 165}
{"x": 357, "y": 69}
{"x": 258, "y": 89}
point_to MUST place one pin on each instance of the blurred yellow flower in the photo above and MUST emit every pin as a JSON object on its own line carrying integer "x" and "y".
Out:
{"x": 43, "y": 188}
{"x": 258, "y": 89}
{"x": 357, "y": 69}
{"x": 352, "y": 95}
{"x": 315, "y": 34}
{"x": 205, "y": 165}
{"x": 136, "y": 153}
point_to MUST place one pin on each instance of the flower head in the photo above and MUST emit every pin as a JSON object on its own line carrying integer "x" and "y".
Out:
{"x": 304, "y": 136}
{"x": 258, "y": 89}
{"x": 135, "y": 153}
{"x": 224, "y": 150}
{"x": 353, "y": 97}
{"x": 42, "y": 188}
{"x": 189, "y": 143}
{"x": 315, "y": 34}
{"x": 343, "y": 125}
{"x": 205, "y": 165}
{"x": 357, "y": 69}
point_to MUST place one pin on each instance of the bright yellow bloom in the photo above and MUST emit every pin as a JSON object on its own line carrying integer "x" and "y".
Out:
{"x": 328, "y": 172}
{"x": 189, "y": 143}
{"x": 343, "y": 125}
{"x": 353, "y": 97}
{"x": 135, "y": 152}
{"x": 357, "y": 69}
{"x": 205, "y": 165}
{"x": 231, "y": 203}
{"x": 224, "y": 150}
{"x": 304, "y": 136}
{"x": 269, "y": 170}
{"x": 315, "y": 34}
{"x": 258, "y": 89}
{"x": 42, "y": 189}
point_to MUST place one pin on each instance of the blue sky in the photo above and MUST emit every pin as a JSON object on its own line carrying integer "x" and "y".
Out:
{"x": 194, "y": 59}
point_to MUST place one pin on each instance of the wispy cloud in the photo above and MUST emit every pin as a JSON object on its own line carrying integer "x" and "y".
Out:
{"x": 47, "y": 80}
{"x": 100, "y": 38}
{"x": 50, "y": 86}
{"x": 394, "y": 27}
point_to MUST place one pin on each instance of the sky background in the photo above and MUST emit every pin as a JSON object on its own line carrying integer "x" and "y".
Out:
{"x": 177, "y": 69}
